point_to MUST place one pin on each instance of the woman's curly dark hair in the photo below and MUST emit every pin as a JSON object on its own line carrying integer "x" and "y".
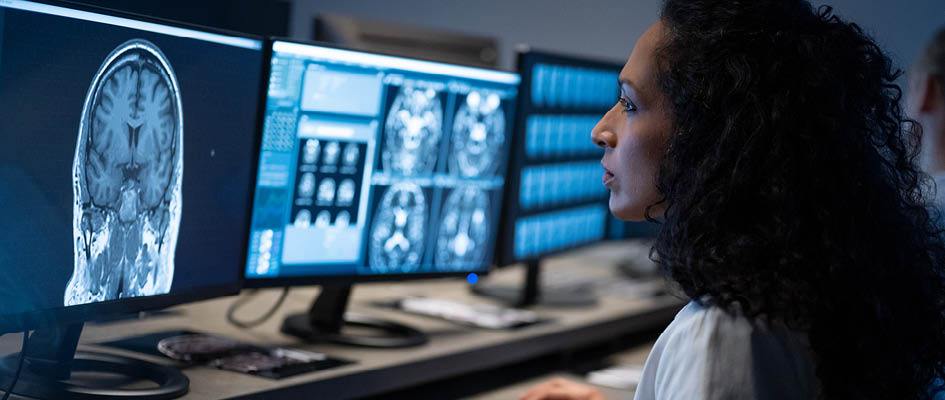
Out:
{"x": 791, "y": 190}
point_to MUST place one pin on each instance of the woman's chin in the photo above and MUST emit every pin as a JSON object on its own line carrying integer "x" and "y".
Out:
{"x": 626, "y": 210}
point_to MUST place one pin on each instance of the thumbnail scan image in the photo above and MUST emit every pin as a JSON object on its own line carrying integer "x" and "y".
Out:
{"x": 397, "y": 233}
{"x": 413, "y": 130}
{"x": 478, "y": 135}
{"x": 464, "y": 230}
{"x": 126, "y": 178}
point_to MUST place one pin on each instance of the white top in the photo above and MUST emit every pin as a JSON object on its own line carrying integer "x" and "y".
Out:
{"x": 939, "y": 193}
{"x": 706, "y": 353}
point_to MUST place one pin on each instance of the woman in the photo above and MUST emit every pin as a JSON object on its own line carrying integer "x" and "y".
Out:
{"x": 767, "y": 139}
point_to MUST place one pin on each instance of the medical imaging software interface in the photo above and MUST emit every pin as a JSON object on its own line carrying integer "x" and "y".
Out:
{"x": 373, "y": 164}
{"x": 125, "y": 151}
{"x": 560, "y": 200}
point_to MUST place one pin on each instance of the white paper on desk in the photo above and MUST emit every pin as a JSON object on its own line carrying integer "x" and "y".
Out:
{"x": 622, "y": 377}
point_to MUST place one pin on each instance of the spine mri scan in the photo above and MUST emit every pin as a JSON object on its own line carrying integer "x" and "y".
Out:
{"x": 127, "y": 175}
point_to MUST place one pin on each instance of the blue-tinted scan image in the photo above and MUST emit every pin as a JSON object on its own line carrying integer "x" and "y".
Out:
{"x": 127, "y": 178}
{"x": 125, "y": 156}
{"x": 378, "y": 165}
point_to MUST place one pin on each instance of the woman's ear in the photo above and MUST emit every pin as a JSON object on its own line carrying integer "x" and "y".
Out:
{"x": 935, "y": 93}
{"x": 929, "y": 93}
{"x": 917, "y": 92}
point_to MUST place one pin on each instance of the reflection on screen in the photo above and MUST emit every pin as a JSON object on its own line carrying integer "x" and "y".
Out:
{"x": 374, "y": 164}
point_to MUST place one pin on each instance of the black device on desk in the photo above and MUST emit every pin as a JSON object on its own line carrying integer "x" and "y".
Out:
{"x": 375, "y": 168}
{"x": 555, "y": 201}
{"x": 126, "y": 160}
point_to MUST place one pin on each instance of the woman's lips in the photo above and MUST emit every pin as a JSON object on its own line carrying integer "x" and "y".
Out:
{"x": 608, "y": 177}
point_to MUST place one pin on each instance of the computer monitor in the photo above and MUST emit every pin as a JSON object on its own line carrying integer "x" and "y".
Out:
{"x": 127, "y": 159}
{"x": 375, "y": 167}
{"x": 555, "y": 201}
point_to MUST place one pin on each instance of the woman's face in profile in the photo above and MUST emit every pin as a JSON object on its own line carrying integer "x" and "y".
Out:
{"x": 634, "y": 133}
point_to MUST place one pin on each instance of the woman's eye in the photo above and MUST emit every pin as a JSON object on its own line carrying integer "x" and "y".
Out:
{"x": 628, "y": 105}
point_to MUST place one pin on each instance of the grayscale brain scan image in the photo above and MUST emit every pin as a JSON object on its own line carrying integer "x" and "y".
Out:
{"x": 351, "y": 155}
{"x": 464, "y": 229}
{"x": 310, "y": 151}
{"x": 331, "y": 153}
{"x": 478, "y": 135}
{"x": 346, "y": 193}
{"x": 323, "y": 220}
{"x": 413, "y": 130}
{"x": 343, "y": 219}
{"x": 126, "y": 178}
{"x": 307, "y": 185}
{"x": 303, "y": 219}
{"x": 397, "y": 233}
{"x": 326, "y": 192}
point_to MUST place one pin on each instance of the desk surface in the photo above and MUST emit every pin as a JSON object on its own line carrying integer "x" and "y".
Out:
{"x": 635, "y": 356}
{"x": 453, "y": 350}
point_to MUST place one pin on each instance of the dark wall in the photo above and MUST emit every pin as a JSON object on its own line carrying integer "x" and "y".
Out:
{"x": 259, "y": 17}
{"x": 604, "y": 29}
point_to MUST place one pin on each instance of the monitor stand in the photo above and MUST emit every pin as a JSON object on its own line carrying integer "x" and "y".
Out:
{"x": 52, "y": 369}
{"x": 531, "y": 293}
{"x": 326, "y": 318}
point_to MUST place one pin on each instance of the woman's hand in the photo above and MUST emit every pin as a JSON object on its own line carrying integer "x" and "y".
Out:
{"x": 562, "y": 389}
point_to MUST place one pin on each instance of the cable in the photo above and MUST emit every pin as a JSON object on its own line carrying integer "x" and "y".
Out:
{"x": 231, "y": 312}
{"x": 19, "y": 365}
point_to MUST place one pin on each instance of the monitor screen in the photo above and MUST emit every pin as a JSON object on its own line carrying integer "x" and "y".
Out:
{"x": 126, "y": 157}
{"x": 378, "y": 166}
{"x": 557, "y": 201}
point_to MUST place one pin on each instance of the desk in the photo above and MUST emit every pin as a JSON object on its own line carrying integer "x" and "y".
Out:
{"x": 632, "y": 356}
{"x": 453, "y": 350}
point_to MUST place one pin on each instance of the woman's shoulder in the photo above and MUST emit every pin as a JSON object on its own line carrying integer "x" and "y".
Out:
{"x": 703, "y": 319}
{"x": 710, "y": 352}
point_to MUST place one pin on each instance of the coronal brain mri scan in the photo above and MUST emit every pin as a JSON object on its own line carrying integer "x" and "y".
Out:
{"x": 397, "y": 233}
{"x": 127, "y": 175}
{"x": 464, "y": 229}
{"x": 478, "y": 135}
{"x": 414, "y": 127}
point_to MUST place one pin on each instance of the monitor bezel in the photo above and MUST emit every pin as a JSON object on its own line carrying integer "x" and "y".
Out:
{"x": 350, "y": 279}
{"x": 524, "y": 60}
{"x": 47, "y": 318}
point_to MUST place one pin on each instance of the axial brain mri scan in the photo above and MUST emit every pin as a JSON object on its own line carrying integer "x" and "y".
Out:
{"x": 478, "y": 135}
{"x": 409, "y": 158}
{"x": 464, "y": 230}
{"x": 127, "y": 175}
{"x": 414, "y": 128}
{"x": 398, "y": 231}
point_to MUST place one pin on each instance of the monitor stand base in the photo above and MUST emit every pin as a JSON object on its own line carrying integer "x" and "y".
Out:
{"x": 327, "y": 317}
{"x": 52, "y": 369}
{"x": 531, "y": 293}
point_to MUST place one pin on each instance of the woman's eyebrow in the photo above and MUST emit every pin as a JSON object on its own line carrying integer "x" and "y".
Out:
{"x": 622, "y": 82}
{"x": 628, "y": 84}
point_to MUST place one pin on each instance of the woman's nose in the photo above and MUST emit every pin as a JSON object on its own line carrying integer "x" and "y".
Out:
{"x": 602, "y": 135}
